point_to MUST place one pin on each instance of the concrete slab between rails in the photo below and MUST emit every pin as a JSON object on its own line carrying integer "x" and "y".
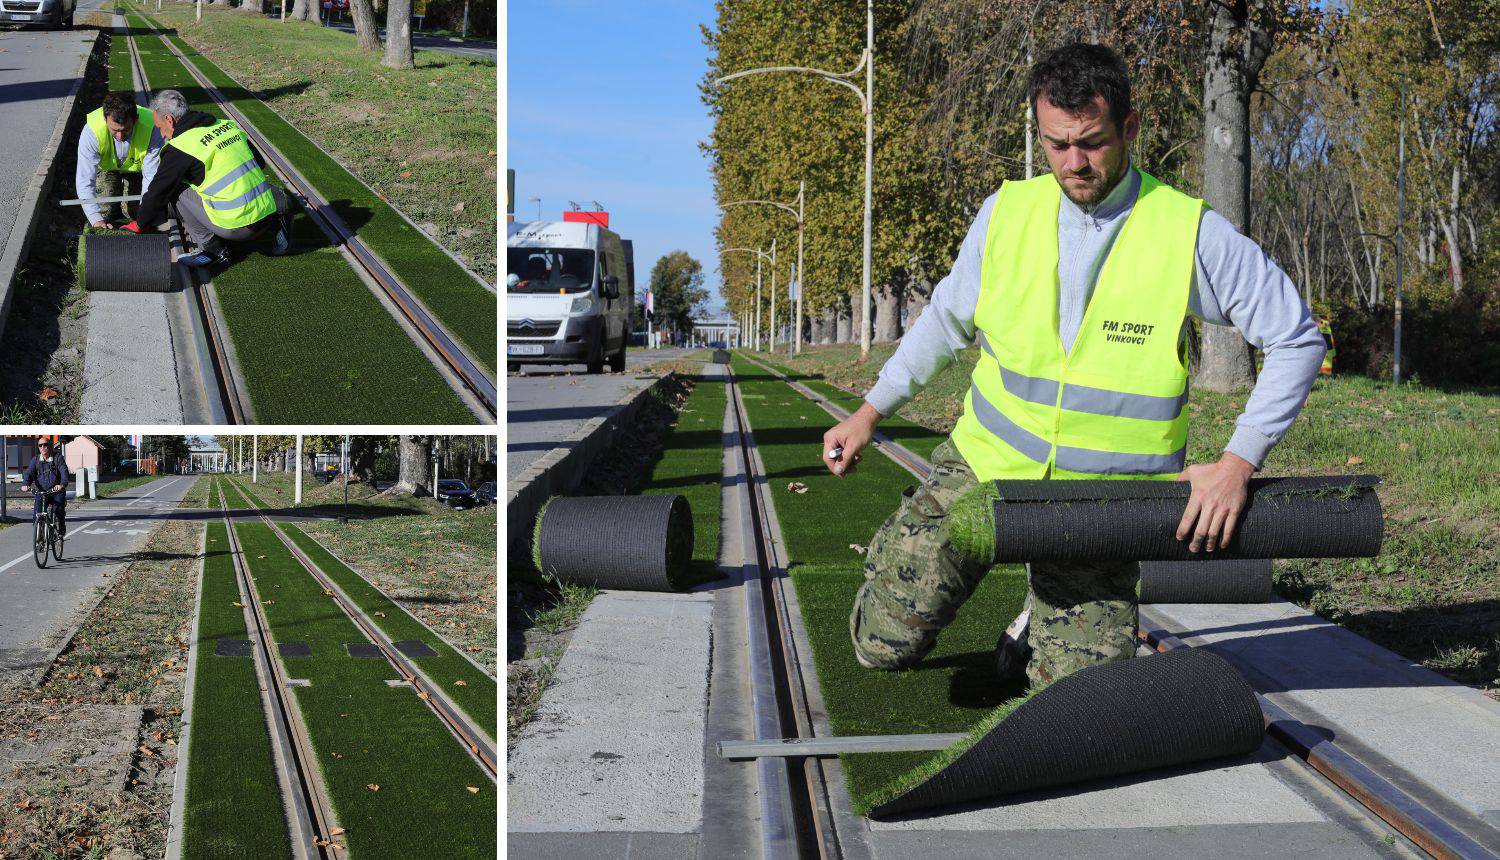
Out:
{"x": 617, "y": 744}
{"x": 1415, "y": 727}
{"x": 625, "y": 846}
{"x": 560, "y": 469}
{"x": 130, "y": 368}
{"x": 1324, "y": 840}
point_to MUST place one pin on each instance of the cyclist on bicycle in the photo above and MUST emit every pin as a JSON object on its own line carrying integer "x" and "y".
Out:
{"x": 49, "y": 471}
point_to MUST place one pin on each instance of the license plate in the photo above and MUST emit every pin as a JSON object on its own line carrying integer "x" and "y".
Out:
{"x": 523, "y": 349}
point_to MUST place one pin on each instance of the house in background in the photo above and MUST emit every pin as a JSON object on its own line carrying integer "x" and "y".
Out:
{"x": 79, "y": 452}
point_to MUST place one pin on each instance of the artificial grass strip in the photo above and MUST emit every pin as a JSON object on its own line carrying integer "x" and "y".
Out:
{"x": 691, "y": 464}
{"x": 232, "y": 805}
{"x": 120, "y": 77}
{"x": 466, "y": 308}
{"x": 955, "y": 688}
{"x": 399, "y": 782}
{"x": 313, "y": 343}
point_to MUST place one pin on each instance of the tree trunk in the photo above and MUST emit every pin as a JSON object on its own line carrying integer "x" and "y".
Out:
{"x": 251, "y": 6}
{"x": 366, "y": 27}
{"x": 397, "y": 35}
{"x": 887, "y": 302}
{"x": 1450, "y": 229}
{"x": 1237, "y": 50}
{"x": 362, "y": 450}
{"x": 918, "y": 294}
{"x": 304, "y": 10}
{"x": 830, "y": 325}
{"x": 415, "y": 478}
{"x": 845, "y": 330}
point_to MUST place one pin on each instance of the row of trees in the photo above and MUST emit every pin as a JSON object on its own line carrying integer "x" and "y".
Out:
{"x": 1286, "y": 117}
{"x": 397, "y": 49}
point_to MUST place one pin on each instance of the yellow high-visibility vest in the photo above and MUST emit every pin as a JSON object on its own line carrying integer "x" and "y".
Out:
{"x": 1116, "y": 405}
{"x": 234, "y": 188}
{"x": 140, "y": 141}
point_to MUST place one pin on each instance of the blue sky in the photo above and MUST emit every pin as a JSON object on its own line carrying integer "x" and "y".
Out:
{"x": 602, "y": 104}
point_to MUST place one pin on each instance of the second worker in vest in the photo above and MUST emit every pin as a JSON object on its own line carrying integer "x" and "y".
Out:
{"x": 212, "y": 172}
{"x": 1080, "y": 288}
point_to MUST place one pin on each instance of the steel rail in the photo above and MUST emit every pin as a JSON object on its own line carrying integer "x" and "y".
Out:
{"x": 812, "y": 825}
{"x": 310, "y": 812}
{"x": 208, "y": 334}
{"x": 1428, "y": 829}
{"x": 433, "y": 334}
{"x": 470, "y": 736}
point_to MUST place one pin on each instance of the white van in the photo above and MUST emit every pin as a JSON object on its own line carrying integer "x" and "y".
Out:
{"x": 569, "y": 290}
{"x": 53, "y": 13}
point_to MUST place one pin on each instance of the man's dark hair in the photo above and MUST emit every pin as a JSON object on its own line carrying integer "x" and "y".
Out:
{"x": 1072, "y": 75}
{"x": 120, "y": 107}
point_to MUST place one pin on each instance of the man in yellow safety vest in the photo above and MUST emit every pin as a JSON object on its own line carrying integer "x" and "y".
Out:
{"x": 1080, "y": 288}
{"x": 212, "y": 172}
{"x": 118, "y": 147}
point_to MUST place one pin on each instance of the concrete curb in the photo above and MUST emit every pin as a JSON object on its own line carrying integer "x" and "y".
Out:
{"x": 19, "y": 241}
{"x": 563, "y": 467}
{"x": 175, "y": 818}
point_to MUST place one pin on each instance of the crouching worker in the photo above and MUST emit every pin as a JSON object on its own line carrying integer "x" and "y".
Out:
{"x": 118, "y": 148}
{"x": 214, "y": 175}
{"x": 1080, "y": 288}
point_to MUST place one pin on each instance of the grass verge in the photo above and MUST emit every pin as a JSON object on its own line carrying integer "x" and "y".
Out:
{"x": 466, "y": 308}
{"x": 955, "y": 688}
{"x": 314, "y": 344}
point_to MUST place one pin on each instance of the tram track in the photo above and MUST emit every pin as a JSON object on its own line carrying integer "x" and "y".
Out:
{"x": 1434, "y": 824}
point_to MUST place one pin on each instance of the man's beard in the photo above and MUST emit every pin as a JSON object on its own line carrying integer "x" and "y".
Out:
{"x": 1093, "y": 193}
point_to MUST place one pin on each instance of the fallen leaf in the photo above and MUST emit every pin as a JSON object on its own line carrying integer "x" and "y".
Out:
{"x": 98, "y": 672}
{"x": 797, "y": 487}
{"x": 461, "y": 682}
{"x": 857, "y": 548}
{"x": 237, "y": 603}
{"x": 46, "y": 395}
{"x": 1354, "y": 461}
{"x": 337, "y": 831}
{"x": 373, "y": 787}
{"x": 1403, "y": 446}
{"x": 406, "y": 174}
{"x": 458, "y": 207}
{"x": 473, "y": 789}
{"x": 381, "y": 614}
{"x": 146, "y": 751}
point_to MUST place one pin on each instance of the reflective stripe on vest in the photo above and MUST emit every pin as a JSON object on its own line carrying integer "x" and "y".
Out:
{"x": 234, "y": 189}
{"x": 140, "y": 141}
{"x": 1115, "y": 406}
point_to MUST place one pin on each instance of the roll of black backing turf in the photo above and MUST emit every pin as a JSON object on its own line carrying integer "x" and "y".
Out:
{"x": 1030, "y": 521}
{"x": 1236, "y": 581}
{"x": 1161, "y": 710}
{"x": 634, "y": 543}
{"x": 127, "y": 263}
{"x": 721, "y": 356}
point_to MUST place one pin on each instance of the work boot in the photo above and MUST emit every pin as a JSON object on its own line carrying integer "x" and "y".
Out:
{"x": 214, "y": 253}
{"x": 1013, "y": 652}
{"x": 281, "y": 243}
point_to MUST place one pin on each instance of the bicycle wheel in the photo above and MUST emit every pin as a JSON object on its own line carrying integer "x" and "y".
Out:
{"x": 39, "y": 542}
{"x": 57, "y": 538}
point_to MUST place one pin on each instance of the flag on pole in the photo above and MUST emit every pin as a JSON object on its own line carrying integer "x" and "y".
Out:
{"x": 650, "y": 301}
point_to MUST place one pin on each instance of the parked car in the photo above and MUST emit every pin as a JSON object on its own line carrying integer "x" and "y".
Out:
{"x": 485, "y": 495}
{"x": 455, "y": 493}
{"x": 50, "y": 13}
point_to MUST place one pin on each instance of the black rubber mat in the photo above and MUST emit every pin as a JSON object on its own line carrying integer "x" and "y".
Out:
{"x": 294, "y": 649}
{"x": 1323, "y": 517}
{"x": 415, "y": 648}
{"x": 128, "y": 263}
{"x": 1161, "y": 710}
{"x": 635, "y": 543}
{"x": 232, "y": 647}
{"x": 363, "y": 650}
{"x": 721, "y": 356}
{"x": 1237, "y": 581}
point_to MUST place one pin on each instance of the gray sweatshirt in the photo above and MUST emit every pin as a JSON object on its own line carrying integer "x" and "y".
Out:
{"x": 88, "y": 167}
{"x": 1234, "y": 284}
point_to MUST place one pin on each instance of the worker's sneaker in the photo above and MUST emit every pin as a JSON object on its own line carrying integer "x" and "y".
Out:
{"x": 281, "y": 243}
{"x": 1013, "y": 651}
{"x": 215, "y": 253}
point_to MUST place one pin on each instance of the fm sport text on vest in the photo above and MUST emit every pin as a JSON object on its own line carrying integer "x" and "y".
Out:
{"x": 1126, "y": 332}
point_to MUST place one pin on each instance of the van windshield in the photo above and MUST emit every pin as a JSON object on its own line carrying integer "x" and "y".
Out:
{"x": 549, "y": 270}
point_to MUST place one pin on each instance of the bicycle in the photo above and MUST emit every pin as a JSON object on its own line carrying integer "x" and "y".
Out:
{"x": 46, "y": 535}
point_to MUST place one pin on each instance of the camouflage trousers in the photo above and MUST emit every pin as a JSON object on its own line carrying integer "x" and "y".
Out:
{"x": 915, "y": 581}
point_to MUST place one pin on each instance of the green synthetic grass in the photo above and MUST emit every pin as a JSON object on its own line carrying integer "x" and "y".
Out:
{"x": 955, "y": 688}
{"x": 314, "y": 345}
{"x": 466, "y": 308}
{"x": 478, "y": 693}
{"x": 120, "y": 77}
{"x": 233, "y": 802}
{"x": 691, "y": 464}
{"x": 399, "y": 782}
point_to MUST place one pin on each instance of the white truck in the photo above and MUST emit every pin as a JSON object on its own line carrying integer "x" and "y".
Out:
{"x": 54, "y": 13}
{"x": 569, "y": 290}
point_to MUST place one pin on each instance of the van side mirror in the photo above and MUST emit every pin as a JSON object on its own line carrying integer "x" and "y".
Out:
{"x": 611, "y": 286}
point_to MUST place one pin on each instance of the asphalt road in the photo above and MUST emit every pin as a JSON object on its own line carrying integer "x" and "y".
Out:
{"x": 545, "y": 404}
{"x": 37, "y": 72}
{"x": 37, "y": 605}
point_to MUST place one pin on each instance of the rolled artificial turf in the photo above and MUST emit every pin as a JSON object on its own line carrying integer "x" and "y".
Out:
{"x": 1114, "y": 520}
{"x": 454, "y": 297}
{"x": 634, "y": 543}
{"x": 1128, "y": 716}
{"x": 1237, "y": 581}
{"x": 956, "y": 686}
{"x": 400, "y": 784}
{"x": 313, "y": 343}
{"x": 232, "y": 802}
{"x": 123, "y": 262}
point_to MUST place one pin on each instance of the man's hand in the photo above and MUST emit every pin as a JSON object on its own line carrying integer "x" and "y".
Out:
{"x": 852, "y": 435}
{"x": 1213, "y": 510}
{"x": 132, "y": 227}
{"x": 56, "y": 489}
{"x": 103, "y": 225}
{"x": 25, "y": 488}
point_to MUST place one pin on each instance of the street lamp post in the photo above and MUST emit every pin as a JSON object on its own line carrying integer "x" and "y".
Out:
{"x": 800, "y": 214}
{"x": 867, "y": 105}
{"x": 759, "y": 255}
{"x": 773, "y": 295}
